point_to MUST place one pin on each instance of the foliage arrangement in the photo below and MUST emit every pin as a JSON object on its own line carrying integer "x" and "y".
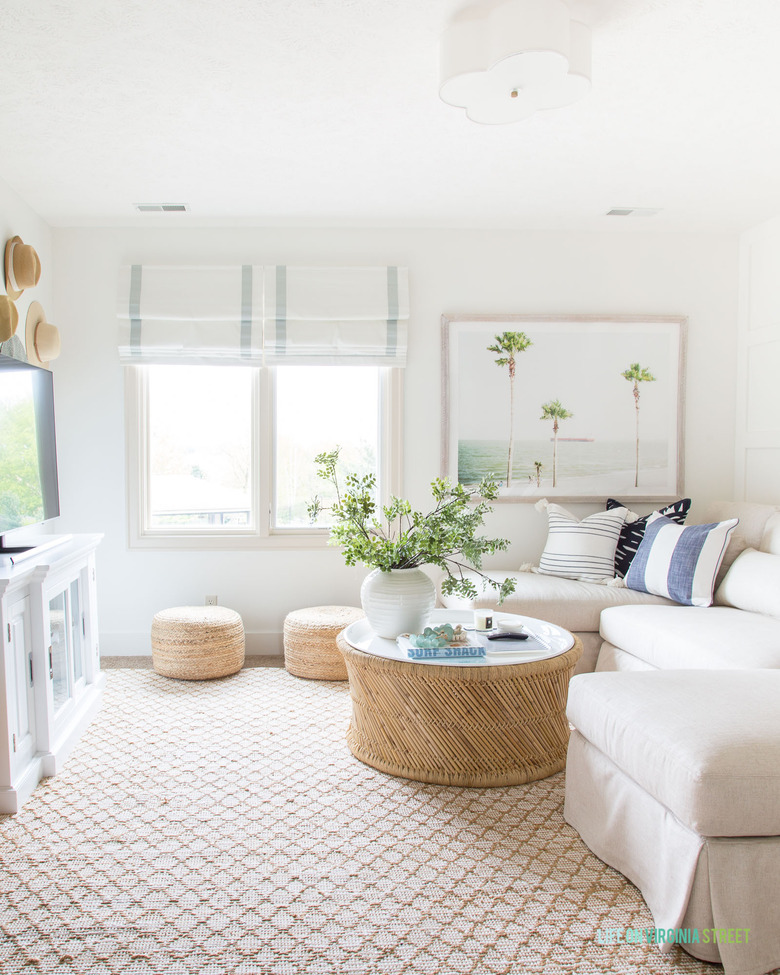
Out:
{"x": 396, "y": 537}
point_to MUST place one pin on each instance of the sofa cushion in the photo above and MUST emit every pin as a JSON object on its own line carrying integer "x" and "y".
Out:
{"x": 770, "y": 540}
{"x": 632, "y": 532}
{"x": 754, "y": 521}
{"x": 569, "y": 603}
{"x": 686, "y": 637}
{"x": 705, "y": 745}
{"x": 680, "y": 563}
{"x": 752, "y": 583}
{"x": 581, "y": 549}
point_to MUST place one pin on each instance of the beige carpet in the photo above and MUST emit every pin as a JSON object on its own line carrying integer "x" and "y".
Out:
{"x": 223, "y": 827}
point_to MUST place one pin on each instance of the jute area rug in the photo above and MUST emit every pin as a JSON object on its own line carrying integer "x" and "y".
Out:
{"x": 223, "y": 827}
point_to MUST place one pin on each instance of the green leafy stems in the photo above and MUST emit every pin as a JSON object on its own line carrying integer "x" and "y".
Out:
{"x": 394, "y": 536}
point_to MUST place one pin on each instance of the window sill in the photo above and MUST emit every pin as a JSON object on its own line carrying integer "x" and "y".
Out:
{"x": 290, "y": 541}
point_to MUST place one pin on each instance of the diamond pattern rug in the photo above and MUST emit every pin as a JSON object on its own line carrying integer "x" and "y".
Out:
{"x": 223, "y": 827}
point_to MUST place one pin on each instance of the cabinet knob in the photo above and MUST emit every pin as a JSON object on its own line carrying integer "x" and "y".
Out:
{"x": 51, "y": 665}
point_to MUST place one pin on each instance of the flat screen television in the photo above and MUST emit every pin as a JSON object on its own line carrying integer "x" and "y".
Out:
{"x": 29, "y": 488}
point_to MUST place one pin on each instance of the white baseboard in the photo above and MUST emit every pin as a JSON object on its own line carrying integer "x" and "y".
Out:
{"x": 263, "y": 644}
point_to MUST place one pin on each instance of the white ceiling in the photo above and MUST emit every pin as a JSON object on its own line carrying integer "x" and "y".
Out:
{"x": 325, "y": 112}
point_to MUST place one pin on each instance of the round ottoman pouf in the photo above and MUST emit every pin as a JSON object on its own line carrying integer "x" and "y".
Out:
{"x": 310, "y": 641}
{"x": 197, "y": 642}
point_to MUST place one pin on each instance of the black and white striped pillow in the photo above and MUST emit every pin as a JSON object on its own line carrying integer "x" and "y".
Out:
{"x": 632, "y": 533}
{"x": 581, "y": 549}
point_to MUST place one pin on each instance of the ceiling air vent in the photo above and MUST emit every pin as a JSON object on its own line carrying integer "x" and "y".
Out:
{"x": 633, "y": 211}
{"x": 162, "y": 207}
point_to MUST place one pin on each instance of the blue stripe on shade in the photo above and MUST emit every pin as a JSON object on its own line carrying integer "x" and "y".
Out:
{"x": 135, "y": 309}
{"x": 635, "y": 579}
{"x": 392, "y": 311}
{"x": 685, "y": 557}
{"x": 246, "y": 311}
{"x": 281, "y": 308}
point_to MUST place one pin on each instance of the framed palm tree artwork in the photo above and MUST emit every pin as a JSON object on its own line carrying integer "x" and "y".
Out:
{"x": 576, "y": 408}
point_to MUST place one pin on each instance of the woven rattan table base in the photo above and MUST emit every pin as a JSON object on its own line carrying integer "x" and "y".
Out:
{"x": 467, "y": 726}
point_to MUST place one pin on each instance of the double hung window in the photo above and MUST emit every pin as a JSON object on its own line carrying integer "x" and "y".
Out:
{"x": 221, "y": 447}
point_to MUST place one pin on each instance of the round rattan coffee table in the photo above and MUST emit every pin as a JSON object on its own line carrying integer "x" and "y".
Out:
{"x": 498, "y": 720}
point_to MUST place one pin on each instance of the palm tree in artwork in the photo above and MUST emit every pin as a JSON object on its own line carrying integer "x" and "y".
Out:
{"x": 555, "y": 411}
{"x": 508, "y": 345}
{"x": 637, "y": 374}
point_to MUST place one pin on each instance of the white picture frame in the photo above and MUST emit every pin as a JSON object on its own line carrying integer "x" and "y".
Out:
{"x": 578, "y": 374}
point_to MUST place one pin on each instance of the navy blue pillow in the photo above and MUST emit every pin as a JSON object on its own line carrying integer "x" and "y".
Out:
{"x": 631, "y": 534}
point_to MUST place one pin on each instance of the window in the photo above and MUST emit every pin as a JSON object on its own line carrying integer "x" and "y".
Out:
{"x": 223, "y": 456}
{"x": 199, "y": 447}
{"x": 315, "y": 409}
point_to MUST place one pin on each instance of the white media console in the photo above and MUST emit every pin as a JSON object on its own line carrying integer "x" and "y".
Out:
{"x": 50, "y": 680}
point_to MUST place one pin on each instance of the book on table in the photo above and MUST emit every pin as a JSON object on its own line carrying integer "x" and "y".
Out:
{"x": 467, "y": 648}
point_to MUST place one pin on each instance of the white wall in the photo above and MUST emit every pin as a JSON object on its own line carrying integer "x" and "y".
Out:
{"x": 450, "y": 271}
{"x": 757, "y": 463}
{"x": 18, "y": 219}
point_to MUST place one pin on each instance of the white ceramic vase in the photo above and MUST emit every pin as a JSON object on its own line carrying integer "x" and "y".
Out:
{"x": 398, "y": 601}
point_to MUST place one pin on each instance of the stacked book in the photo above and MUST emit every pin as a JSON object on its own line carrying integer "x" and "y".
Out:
{"x": 468, "y": 647}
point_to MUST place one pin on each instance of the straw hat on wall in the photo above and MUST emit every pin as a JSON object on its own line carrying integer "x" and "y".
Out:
{"x": 22, "y": 267}
{"x": 42, "y": 338}
{"x": 9, "y": 318}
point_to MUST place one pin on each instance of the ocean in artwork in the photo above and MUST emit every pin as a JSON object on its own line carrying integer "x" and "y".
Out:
{"x": 576, "y": 458}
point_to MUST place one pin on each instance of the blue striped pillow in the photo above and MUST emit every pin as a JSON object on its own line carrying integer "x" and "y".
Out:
{"x": 679, "y": 563}
{"x": 632, "y": 532}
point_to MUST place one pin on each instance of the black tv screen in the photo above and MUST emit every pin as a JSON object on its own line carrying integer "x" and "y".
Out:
{"x": 29, "y": 491}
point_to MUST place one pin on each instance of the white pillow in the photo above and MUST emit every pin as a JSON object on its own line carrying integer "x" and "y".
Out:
{"x": 752, "y": 583}
{"x": 584, "y": 549}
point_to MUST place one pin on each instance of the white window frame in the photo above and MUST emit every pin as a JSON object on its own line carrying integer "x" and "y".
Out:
{"x": 262, "y": 535}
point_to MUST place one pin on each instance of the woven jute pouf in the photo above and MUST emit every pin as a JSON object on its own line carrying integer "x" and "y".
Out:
{"x": 310, "y": 641}
{"x": 197, "y": 642}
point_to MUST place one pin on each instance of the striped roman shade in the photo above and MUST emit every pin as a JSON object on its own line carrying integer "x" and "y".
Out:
{"x": 336, "y": 316}
{"x": 277, "y": 315}
{"x": 581, "y": 549}
{"x": 190, "y": 314}
{"x": 679, "y": 563}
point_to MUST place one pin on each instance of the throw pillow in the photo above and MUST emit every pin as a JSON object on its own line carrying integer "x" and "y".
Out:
{"x": 633, "y": 531}
{"x": 581, "y": 549}
{"x": 752, "y": 583}
{"x": 679, "y": 563}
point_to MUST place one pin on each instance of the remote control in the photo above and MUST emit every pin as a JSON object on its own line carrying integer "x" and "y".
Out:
{"x": 508, "y": 635}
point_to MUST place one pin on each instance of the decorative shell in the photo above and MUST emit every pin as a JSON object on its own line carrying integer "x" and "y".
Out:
{"x": 444, "y": 635}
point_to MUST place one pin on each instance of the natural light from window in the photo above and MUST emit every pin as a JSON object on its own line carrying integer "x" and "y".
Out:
{"x": 200, "y": 447}
{"x": 317, "y": 409}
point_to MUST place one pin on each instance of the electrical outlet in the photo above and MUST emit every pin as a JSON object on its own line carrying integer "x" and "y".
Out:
{"x": 211, "y": 600}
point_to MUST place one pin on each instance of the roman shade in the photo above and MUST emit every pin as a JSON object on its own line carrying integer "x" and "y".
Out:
{"x": 190, "y": 314}
{"x": 335, "y": 315}
{"x": 277, "y": 315}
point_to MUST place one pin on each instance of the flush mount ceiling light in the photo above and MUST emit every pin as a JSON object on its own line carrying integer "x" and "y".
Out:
{"x": 503, "y": 62}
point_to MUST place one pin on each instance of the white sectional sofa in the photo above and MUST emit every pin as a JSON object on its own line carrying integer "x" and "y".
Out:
{"x": 622, "y": 629}
{"x": 673, "y": 769}
{"x": 740, "y": 631}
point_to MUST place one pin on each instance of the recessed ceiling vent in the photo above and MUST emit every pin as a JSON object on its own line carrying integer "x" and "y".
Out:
{"x": 162, "y": 208}
{"x": 633, "y": 211}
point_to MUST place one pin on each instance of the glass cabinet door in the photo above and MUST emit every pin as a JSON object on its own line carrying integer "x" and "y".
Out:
{"x": 76, "y": 632}
{"x": 59, "y": 655}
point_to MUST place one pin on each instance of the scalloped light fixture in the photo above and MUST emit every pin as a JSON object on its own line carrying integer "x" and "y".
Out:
{"x": 505, "y": 61}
